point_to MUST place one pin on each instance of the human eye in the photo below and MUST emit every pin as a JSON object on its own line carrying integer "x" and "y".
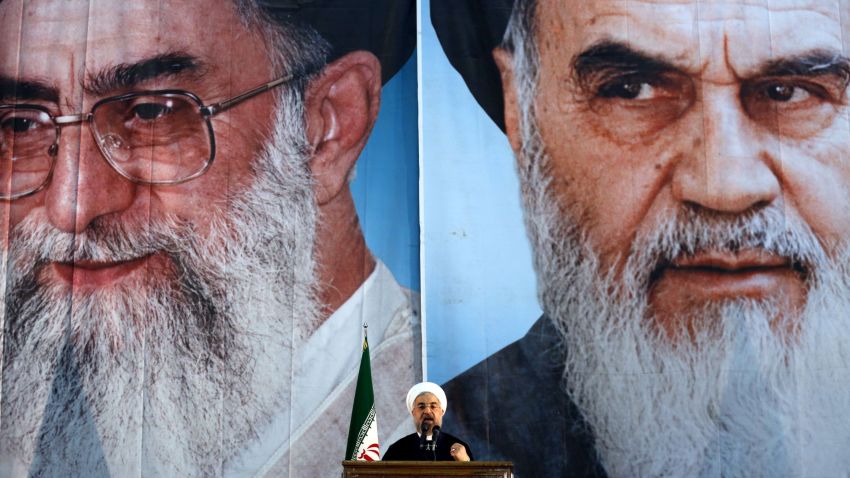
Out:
{"x": 150, "y": 119}
{"x": 23, "y": 130}
{"x": 637, "y": 88}
{"x": 628, "y": 89}
{"x": 25, "y": 139}
{"x": 793, "y": 106}
{"x": 786, "y": 93}
{"x": 19, "y": 123}
{"x": 152, "y": 109}
{"x": 632, "y": 105}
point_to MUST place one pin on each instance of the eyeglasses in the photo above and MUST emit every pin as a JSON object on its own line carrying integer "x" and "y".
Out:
{"x": 160, "y": 137}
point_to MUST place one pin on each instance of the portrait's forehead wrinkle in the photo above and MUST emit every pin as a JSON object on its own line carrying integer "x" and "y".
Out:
{"x": 78, "y": 45}
{"x": 147, "y": 28}
{"x": 720, "y": 40}
{"x": 33, "y": 29}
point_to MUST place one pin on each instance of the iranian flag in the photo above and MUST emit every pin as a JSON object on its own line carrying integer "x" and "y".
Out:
{"x": 363, "y": 431}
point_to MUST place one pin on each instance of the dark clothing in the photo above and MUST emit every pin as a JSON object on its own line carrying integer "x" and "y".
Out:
{"x": 407, "y": 449}
{"x": 512, "y": 406}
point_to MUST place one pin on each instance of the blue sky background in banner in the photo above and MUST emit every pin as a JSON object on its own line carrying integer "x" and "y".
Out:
{"x": 479, "y": 285}
{"x": 386, "y": 185}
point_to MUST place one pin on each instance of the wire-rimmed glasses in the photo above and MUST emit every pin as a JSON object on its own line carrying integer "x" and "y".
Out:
{"x": 159, "y": 137}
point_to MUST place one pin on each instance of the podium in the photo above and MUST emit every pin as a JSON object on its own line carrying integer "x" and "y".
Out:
{"x": 427, "y": 469}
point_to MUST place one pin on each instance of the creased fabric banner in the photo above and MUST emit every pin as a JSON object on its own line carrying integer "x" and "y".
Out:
{"x": 201, "y": 204}
{"x": 635, "y": 241}
{"x": 633, "y": 215}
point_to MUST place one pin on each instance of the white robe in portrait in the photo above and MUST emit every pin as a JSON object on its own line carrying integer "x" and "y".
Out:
{"x": 310, "y": 441}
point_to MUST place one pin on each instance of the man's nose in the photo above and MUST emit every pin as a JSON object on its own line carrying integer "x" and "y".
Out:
{"x": 84, "y": 186}
{"x": 732, "y": 165}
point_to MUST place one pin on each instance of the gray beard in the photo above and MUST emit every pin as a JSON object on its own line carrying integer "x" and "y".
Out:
{"x": 164, "y": 374}
{"x": 740, "y": 398}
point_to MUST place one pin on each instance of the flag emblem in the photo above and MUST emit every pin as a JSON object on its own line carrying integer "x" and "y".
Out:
{"x": 363, "y": 443}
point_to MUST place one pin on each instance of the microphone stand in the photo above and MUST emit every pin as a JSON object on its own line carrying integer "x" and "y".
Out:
{"x": 423, "y": 437}
{"x": 425, "y": 443}
{"x": 435, "y": 434}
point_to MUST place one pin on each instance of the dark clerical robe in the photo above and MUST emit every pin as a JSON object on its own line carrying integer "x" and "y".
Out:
{"x": 407, "y": 449}
{"x": 513, "y": 406}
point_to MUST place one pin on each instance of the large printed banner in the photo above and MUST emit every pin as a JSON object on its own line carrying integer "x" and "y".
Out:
{"x": 683, "y": 175}
{"x": 633, "y": 214}
{"x": 203, "y": 202}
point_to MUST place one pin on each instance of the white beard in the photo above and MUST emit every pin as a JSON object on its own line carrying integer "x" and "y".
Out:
{"x": 164, "y": 374}
{"x": 741, "y": 398}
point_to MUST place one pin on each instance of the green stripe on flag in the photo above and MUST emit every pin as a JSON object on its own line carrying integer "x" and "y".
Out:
{"x": 363, "y": 441}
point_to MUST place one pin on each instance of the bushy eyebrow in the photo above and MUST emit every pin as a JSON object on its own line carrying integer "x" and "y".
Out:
{"x": 129, "y": 75}
{"x": 116, "y": 78}
{"x": 811, "y": 63}
{"x": 23, "y": 90}
{"x": 613, "y": 58}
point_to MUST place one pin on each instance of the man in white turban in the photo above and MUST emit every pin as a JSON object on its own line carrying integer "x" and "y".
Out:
{"x": 427, "y": 404}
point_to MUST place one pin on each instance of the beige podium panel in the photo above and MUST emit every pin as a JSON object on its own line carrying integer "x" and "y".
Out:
{"x": 427, "y": 469}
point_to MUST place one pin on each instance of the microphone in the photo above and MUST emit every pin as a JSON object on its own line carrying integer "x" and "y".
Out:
{"x": 435, "y": 433}
{"x": 424, "y": 429}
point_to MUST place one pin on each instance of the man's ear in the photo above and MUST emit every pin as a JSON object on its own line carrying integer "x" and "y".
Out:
{"x": 505, "y": 63}
{"x": 341, "y": 108}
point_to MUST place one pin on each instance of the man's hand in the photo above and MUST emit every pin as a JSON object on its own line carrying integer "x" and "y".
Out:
{"x": 458, "y": 452}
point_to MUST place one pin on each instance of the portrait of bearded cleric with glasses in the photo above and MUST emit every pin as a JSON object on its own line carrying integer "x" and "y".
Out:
{"x": 179, "y": 232}
{"x": 685, "y": 178}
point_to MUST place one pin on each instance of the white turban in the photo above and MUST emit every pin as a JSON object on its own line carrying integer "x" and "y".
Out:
{"x": 426, "y": 387}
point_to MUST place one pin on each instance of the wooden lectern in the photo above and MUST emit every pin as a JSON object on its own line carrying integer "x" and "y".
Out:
{"x": 427, "y": 469}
